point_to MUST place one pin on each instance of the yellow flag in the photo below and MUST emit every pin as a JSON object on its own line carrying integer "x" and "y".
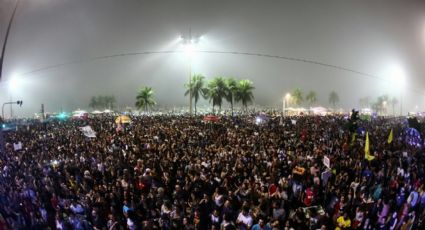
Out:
{"x": 390, "y": 137}
{"x": 367, "y": 149}
{"x": 353, "y": 139}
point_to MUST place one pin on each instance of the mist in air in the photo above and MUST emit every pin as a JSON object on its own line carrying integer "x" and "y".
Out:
{"x": 61, "y": 53}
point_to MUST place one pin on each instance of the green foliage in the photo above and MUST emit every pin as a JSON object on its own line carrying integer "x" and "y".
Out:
{"x": 394, "y": 102}
{"x": 217, "y": 90}
{"x": 102, "y": 102}
{"x": 145, "y": 98}
{"x": 196, "y": 88}
{"x": 297, "y": 97}
{"x": 333, "y": 98}
{"x": 364, "y": 102}
{"x": 244, "y": 93}
{"x": 379, "y": 105}
{"x": 232, "y": 89}
{"x": 311, "y": 98}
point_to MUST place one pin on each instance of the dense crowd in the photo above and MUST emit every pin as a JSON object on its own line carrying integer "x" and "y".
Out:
{"x": 179, "y": 172}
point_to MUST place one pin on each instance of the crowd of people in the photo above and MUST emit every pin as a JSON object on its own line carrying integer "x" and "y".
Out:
{"x": 179, "y": 172}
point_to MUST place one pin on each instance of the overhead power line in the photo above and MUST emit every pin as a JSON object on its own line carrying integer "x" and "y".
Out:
{"x": 263, "y": 55}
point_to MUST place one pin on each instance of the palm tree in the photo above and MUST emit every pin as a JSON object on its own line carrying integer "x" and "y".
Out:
{"x": 244, "y": 93}
{"x": 145, "y": 98}
{"x": 380, "y": 104}
{"x": 197, "y": 88}
{"x": 110, "y": 102}
{"x": 311, "y": 98}
{"x": 217, "y": 90}
{"x": 364, "y": 102}
{"x": 93, "y": 103}
{"x": 333, "y": 98}
{"x": 394, "y": 102}
{"x": 297, "y": 97}
{"x": 101, "y": 102}
{"x": 232, "y": 88}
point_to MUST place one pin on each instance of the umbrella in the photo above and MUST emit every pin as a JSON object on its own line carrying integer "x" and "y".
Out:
{"x": 123, "y": 119}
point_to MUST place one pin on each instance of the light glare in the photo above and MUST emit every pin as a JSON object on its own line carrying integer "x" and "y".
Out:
{"x": 14, "y": 83}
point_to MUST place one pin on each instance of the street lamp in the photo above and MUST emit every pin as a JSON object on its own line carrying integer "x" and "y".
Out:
{"x": 10, "y": 103}
{"x": 384, "y": 105}
{"x": 14, "y": 85}
{"x": 398, "y": 79}
{"x": 189, "y": 44}
{"x": 285, "y": 103}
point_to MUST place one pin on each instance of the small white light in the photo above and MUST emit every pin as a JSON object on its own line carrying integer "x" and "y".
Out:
{"x": 258, "y": 120}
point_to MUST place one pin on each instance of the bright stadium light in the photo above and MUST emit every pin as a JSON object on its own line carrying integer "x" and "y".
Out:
{"x": 14, "y": 83}
{"x": 190, "y": 43}
{"x": 189, "y": 47}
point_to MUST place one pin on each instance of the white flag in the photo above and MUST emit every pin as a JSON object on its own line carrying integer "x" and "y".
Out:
{"x": 17, "y": 146}
{"x": 88, "y": 131}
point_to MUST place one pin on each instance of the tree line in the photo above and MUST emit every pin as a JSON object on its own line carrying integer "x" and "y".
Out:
{"x": 221, "y": 89}
{"x": 380, "y": 104}
{"x": 216, "y": 91}
{"x": 297, "y": 98}
{"x": 102, "y": 102}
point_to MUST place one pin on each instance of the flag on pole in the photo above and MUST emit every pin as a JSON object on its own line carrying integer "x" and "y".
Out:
{"x": 353, "y": 139}
{"x": 390, "y": 137}
{"x": 367, "y": 149}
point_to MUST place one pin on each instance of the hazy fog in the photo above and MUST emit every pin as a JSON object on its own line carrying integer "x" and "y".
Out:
{"x": 53, "y": 45}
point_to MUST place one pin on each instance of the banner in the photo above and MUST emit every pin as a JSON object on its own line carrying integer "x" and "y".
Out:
{"x": 88, "y": 131}
{"x": 327, "y": 161}
{"x": 17, "y": 146}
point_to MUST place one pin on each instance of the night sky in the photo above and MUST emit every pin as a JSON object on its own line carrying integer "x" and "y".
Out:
{"x": 61, "y": 52}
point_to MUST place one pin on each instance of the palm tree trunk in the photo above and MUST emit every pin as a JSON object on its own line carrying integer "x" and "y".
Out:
{"x": 195, "y": 108}
{"x": 231, "y": 105}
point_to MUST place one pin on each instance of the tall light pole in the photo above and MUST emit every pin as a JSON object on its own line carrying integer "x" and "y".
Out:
{"x": 3, "y": 50}
{"x": 285, "y": 103}
{"x": 384, "y": 106}
{"x": 10, "y": 103}
{"x": 189, "y": 43}
{"x": 398, "y": 76}
{"x": 401, "y": 102}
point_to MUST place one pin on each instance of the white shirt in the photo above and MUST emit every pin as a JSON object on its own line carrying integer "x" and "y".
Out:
{"x": 247, "y": 220}
{"x": 131, "y": 224}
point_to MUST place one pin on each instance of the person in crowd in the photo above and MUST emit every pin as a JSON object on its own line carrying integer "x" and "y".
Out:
{"x": 179, "y": 172}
